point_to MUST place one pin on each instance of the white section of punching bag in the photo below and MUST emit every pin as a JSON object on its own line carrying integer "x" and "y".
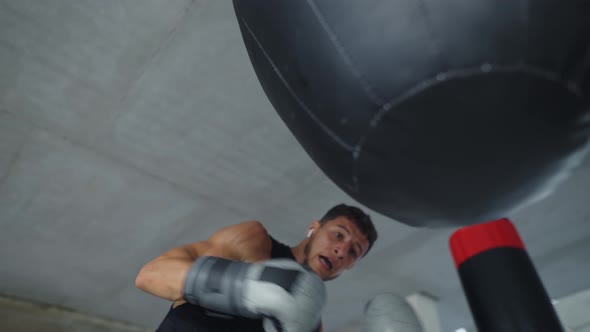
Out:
{"x": 390, "y": 313}
{"x": 426, "y": 309}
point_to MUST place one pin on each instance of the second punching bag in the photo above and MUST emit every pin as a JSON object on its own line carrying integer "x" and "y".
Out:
{"x": 500, "y": 282}
{"x": 390, "y": 313}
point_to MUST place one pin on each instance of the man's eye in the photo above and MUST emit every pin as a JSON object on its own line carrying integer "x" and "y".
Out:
{"x": 338, "y": 235}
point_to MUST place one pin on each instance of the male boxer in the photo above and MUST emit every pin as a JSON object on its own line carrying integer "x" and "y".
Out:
{"x": 242, "y": 279}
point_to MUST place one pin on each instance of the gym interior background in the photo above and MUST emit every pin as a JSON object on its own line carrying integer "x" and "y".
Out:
{"x": 130, "y": 127}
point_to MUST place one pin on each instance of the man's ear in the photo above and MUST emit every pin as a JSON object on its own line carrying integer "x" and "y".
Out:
{"x": 313, "y": 227}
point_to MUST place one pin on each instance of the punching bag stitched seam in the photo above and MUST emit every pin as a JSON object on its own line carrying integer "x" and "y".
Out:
{"x": 364, "y": 83}
{"x": 360, "y": 78}
{"x": 329, "y": 132}
{"x": 441, "y": 78}
{"x": 485, "y": 68}
{"x": 338, "y": 45}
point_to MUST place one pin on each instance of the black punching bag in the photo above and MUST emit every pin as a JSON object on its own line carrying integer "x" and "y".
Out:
{"x": 501, "y": 284}
{"x": 430, "y": 112}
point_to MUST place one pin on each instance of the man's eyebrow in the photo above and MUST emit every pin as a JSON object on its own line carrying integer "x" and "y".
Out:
{"x": 345, "y": 228}
{"x": 359, "y": 248}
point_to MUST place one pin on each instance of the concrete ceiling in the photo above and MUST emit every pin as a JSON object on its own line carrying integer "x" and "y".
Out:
{"x": 129, "y": 127}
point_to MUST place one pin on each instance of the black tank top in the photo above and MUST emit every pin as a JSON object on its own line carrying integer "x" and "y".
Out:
{"x": 188, "y": 317}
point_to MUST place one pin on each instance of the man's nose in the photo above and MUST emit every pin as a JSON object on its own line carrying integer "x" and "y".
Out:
{"x": 340, "y": 251}
{"x": 337, "y": 251}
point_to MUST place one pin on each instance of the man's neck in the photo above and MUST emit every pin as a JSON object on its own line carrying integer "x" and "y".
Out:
{"x": 298, "y": 253}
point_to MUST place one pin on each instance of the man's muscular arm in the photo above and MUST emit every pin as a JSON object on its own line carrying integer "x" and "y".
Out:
{"x": 165, "y": 276}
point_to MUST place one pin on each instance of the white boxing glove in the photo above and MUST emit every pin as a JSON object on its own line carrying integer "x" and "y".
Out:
{"x": 287, "y": 296}
{"x": 295, "y": 310}
{"x": 390, "y": 313}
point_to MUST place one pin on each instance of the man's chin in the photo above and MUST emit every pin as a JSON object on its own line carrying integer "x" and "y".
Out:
{"x": 319, "y": 270}
{"x": 323, "y": 274}
{"x": 328, "y": 278}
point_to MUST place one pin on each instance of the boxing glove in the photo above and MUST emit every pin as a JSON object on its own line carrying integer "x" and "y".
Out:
{"x": 288, "y": 297}
{"x": 389, "y": 313}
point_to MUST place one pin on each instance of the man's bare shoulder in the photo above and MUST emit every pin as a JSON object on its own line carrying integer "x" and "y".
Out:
{"x": 247, "y": 230}
{"x": 248, "y": 241}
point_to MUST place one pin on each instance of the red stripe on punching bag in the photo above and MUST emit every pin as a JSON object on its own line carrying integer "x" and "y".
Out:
{"x": 472, "y": 240}
{"x": 500, "y": 282}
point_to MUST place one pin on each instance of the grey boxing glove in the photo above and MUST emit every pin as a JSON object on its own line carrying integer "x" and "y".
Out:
{"x": 390, "y": 313}
{"x": 288, "y": 297}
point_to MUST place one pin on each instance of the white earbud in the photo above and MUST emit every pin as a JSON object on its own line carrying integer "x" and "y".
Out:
{"x": 310, "y": 232}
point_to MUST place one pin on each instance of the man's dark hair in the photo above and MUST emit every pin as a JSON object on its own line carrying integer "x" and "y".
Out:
{"x": 357, "y": 216}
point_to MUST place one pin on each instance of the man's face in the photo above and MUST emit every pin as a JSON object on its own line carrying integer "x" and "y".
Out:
{"x": 334, "y": 247}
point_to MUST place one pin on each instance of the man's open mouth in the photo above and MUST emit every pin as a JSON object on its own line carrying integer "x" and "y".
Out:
{"x": 326, "y": 262}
